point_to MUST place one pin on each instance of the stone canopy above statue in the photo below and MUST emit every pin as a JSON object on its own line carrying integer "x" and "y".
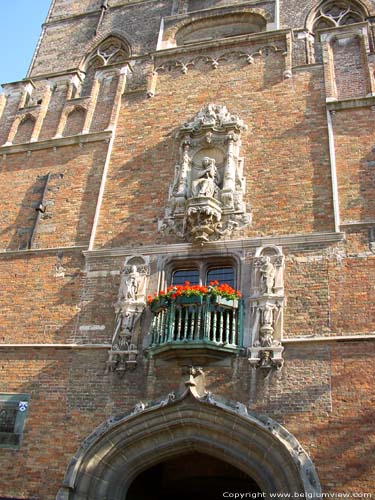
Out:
{"x": 206, "y": 197}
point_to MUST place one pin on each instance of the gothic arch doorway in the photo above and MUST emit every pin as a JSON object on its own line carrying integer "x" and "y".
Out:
{"x": 160, "y": 434}
{"x": 189, "y": 476}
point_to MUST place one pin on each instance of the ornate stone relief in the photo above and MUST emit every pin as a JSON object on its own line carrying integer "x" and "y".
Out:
{"x": 206, "y": 197}
{"x": 267, "y": 302}
{"x": 129, "y": 307}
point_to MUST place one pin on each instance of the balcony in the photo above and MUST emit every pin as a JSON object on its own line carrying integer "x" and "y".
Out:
{"x": 198, "y": 327}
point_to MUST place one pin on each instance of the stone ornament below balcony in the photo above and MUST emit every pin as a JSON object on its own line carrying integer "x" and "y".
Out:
{"x": 206, "y": 197}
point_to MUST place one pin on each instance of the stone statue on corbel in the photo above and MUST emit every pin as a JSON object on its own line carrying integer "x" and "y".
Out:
{"x": 206, "y": 197}
{"x": 129, "y": 307}
{"x": 267, "y": 303}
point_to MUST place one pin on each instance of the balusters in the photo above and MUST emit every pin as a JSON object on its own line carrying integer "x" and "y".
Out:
{"x": 185, "y": 323}
{"x": 194, "y": 323}
{"x": 221, "y": 328}
{"x": 199, "y": 322}
{"x": 189, "y": 332}
{"x": 214, "y": 325}
{"x": 233, "y": 339}
{"x": 179, "y": 323}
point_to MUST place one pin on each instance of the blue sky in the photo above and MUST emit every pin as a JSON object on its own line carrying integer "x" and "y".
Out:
{"x": 20, "y": 27}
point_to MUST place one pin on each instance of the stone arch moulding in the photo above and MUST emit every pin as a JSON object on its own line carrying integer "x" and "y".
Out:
{"x": 256, "y": 19}
{"x": 124, "y": 446}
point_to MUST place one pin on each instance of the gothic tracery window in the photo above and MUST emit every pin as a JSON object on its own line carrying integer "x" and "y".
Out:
{"x": 337, "y": 13}
{"x": 111, "y": 51}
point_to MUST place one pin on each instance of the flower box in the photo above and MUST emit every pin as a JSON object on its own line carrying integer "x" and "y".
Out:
{"x": 159, "y": 305}
{"x": 193, "y": 299}
{"x": 218, "y": 300}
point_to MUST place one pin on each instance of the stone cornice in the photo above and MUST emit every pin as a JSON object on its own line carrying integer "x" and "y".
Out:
{"x": 360, "y": 102}
{"x": 223, "y": 42}
{"x": 288, "y": 241}
{"x": 332, "y": 338}
{"x": 56, "y": 346}
{"x": 355, "y": 224}
{"x": 37, "y": 251}
{"x": 57, "y": 142}
{"x": 285, "y": 341}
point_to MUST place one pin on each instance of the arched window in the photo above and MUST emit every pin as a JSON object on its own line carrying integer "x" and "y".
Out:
{"x": 337, "y": 13}
{"x": 111, "y": 51}
{"x": 224, "y": 26}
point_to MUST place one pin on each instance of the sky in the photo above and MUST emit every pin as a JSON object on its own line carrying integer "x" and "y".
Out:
{"x": 20, "y": 27}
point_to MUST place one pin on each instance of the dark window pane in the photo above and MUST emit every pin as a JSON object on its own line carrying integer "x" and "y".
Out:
{"x": 8, "y": 417}
{"x": 222, "y": 275}
{"x": 9, "y": 439}
{"x": 182, "y": 275}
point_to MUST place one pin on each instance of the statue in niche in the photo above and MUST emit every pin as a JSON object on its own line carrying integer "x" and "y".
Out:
{"x": 205, "y": 200}
{"x": 130, "y": 286}
{"x": 206, "y": 184}
{"x": 267, "y": 276}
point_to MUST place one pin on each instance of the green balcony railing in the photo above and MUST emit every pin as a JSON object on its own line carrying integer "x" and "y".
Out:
{"x": 198, "y": 321}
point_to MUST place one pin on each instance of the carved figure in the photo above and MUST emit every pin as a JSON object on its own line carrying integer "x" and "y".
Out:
{"x": 267, "y": 276}
{"x": 206, "y": 184}
{"x": 127, "y": 322}
{"x": 266, "y": 339}
{"x": 130, "y": 285}
{"x": 265, "y": 359}
{"x": 267, "y": 316}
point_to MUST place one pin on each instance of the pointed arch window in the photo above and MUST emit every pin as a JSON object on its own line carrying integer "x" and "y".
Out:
{"x": 332, "y": 14}
{"x": 112, "y": 50}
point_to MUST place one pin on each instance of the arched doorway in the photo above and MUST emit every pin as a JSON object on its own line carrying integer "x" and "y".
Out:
{"x": 156, "y": 436}
{"x": 190, "y": 476}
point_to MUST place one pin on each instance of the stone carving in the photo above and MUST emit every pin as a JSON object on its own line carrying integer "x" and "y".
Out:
{"x": 267, "y": 302}
{"x": 184, "y": 65}
{"x": 206, "y": 197}
{"x": 130, "y": 285}
{"x": 206, "y": 183}
{"x": 129, "y": 307}
{"x": 215, "y": 116}
{"x": 267, "y": 275}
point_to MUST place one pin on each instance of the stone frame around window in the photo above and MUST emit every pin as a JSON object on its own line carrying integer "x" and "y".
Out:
{"x": 20, "y": 403}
